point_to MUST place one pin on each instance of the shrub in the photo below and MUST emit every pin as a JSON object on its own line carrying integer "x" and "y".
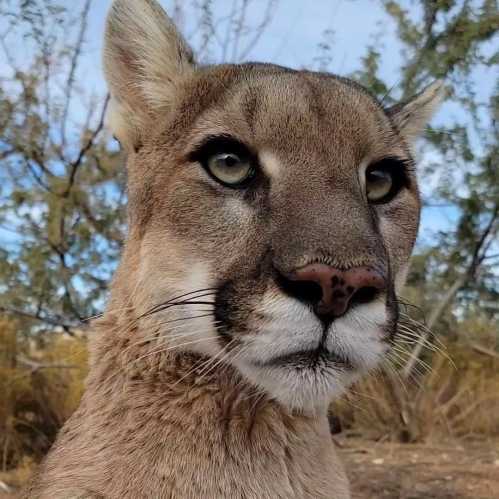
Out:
{"x": 40, "y": 389}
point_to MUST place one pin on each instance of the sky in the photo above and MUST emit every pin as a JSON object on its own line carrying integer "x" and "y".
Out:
{"x": 293, "y": 35}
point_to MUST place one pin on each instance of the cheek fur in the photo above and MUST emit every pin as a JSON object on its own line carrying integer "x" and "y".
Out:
{"x": 398, "y": 225}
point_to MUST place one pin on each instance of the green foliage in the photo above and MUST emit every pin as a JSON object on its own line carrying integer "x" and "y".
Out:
{"x": 453, "y": 40}
{"x": 61, "y": 203}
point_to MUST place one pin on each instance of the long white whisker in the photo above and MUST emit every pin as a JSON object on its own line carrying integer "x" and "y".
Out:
{"x": 175, "y": 347}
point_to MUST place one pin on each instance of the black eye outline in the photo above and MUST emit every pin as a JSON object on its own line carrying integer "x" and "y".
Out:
{"x": 225, "y": 144}
{"x": 398, "y": 169}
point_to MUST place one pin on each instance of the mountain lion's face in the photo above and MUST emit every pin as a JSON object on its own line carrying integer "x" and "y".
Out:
{"x": 280, "y": 205}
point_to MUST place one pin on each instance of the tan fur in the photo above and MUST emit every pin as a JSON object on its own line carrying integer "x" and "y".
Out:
{"x": 173, "y": 408}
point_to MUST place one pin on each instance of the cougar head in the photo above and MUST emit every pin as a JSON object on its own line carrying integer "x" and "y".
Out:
{"x": 276, "y": 209}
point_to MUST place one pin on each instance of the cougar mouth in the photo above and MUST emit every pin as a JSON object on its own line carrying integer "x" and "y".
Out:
{"x": 310, "y": 359}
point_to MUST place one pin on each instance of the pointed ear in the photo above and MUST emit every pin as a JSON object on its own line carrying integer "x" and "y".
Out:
{"x": 145, "y": 58}
{"x": 411, "y": 117}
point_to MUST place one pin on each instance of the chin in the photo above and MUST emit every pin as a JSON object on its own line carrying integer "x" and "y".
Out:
{"x": 306, "y": 389}
{"x": 305, "y": 369}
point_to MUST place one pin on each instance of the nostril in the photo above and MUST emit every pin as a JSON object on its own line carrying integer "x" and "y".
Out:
{"x": 330, "y": 291}
{"x": 306, "y": 291}
{"x": 364, "y": 295}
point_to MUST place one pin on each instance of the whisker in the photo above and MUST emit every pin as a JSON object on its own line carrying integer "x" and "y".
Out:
{"x": 112, "y": 311}
{"x": 412, "y": 339}
{"x": 179, "y": 304}
{"x": 420, "y": 361}
{"x": 164, "y": 350}
{"x": 397, "y": 377}
{"x": 221, "y": 359}
{"x": 195, "y": 367}
{"x": 175, "y": 300}
{"x": 180, "y": 319}
{"x": 164, "y": 337}
{"x": 134, "y": 322}
{"x": 434, "y": 344}
{"x": 150, "y": 311}
{"x": 402, "y": 361}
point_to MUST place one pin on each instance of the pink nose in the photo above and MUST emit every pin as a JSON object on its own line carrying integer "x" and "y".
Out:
{"x": 339, "y": 289}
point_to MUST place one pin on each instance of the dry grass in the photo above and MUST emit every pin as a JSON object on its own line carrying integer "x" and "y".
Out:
{"x": 451, "y": 399}
{"x": 41, "y": 386}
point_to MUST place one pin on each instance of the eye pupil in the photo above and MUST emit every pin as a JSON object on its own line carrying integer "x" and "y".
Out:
{"x": 227, "y": 161}
{"x": 379, "y": 176}
{"x": 230, "y": 168}
{"x": 385, "y": 179}
{"x": 379, "y": 184}
{"x": 230, "y": 159}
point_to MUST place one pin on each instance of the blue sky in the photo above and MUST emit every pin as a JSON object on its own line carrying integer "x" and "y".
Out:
{"x": 294, "y": 32}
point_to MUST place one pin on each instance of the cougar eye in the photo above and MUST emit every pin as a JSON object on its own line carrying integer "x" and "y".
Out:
{"x": 378, "y": 184}
{"x": 229, "y": 168}
{"x": 384, "y": 179}
{"x": 227, "y": 160}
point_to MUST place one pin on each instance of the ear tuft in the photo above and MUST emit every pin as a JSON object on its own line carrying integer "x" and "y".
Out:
{"x": 411, "y": 117}
{"x": 145, "y": 59}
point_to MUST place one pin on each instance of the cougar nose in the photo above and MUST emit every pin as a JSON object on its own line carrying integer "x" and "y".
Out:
{"x": 332, "y": 291}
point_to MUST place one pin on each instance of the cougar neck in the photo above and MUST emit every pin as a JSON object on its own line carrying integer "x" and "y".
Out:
{"x": 183, "y": 384}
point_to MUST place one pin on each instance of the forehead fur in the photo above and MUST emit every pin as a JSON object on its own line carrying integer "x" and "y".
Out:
{"x": 275, "y": 107}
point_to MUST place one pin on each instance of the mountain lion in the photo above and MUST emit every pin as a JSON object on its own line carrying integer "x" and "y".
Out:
{"x": 272, "y": 213}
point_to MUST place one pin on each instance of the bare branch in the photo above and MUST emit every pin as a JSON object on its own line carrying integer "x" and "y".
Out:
{"x": 477, "y": 258}
{"x": 36, "y": 366}
{"x": 83, "y": 151}
{"x": 5, "y": 154}
{"x": 37, "y": 177}
{"x": 72, "y": 69}
{"x": 259, "y": 30}
{"x": 239, "y": 29}
{"x": 484, "y": 350}
{"x": 51, "y": 321}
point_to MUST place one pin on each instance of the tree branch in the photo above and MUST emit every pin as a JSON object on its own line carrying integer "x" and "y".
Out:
{"x": 484, "y": 350}
{"x": 83, "y": 151}
{"x": 41, "y": 318}
{"x": 451, "y": 293}
{"x": 36, "y": 366}
{"x": 72, "y": 69}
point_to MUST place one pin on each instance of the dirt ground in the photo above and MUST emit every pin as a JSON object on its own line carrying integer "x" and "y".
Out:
{"x": 400, "y": 471}
{"x": 405, "y": 471}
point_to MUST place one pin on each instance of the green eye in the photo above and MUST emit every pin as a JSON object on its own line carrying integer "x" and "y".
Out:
{"x": 227, "y": 160}
{"x": 386, "y": 178}
{"x": 229, "y": 168}
{"x": 379, "y": 184}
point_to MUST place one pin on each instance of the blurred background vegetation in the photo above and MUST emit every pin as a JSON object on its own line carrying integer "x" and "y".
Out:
{"x": 62, "y": 220}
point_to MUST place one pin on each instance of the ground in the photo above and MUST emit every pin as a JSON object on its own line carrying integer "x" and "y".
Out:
{"x": 408, "y": 471}
{"x": 402, "y": 471}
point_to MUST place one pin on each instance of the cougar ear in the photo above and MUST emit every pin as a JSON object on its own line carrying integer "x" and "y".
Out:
{"x": 411, "y": 117}
{"x": 145, "y": 58}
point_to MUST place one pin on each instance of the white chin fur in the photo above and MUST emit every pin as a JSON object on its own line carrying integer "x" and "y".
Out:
{"x": 299, "y": 389}
{"x": 291, "y": 327}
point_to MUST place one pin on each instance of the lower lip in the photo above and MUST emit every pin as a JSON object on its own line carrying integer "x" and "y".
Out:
{"x": 310, "y": 359}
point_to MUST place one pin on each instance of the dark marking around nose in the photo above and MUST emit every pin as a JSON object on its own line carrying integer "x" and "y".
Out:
{"x": 332, "y": 292}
